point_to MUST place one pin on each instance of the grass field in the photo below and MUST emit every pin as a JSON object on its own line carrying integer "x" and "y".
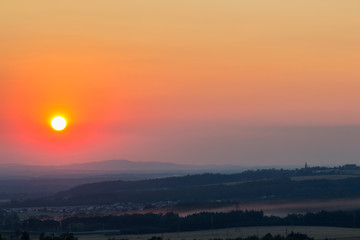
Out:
{"x": 315, "y": 232}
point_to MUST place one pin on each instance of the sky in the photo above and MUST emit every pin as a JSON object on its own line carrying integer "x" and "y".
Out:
{"x": 196, "y": 82}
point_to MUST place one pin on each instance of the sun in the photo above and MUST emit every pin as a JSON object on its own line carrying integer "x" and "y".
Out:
{"x": 58, "y": 123}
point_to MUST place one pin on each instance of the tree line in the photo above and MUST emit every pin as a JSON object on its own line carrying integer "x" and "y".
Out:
{"x": 170, "y": 222}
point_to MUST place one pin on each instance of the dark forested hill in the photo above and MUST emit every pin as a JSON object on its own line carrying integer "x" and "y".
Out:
{"x": 259, "y": 185}
{"x": 176, "y": 182}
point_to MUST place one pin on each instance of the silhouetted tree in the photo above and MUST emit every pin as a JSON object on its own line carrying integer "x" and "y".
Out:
{"x": 42, "y": 236}
{"x": 268, "y": 237}
{"x": 25, "y": 236}
{"x": 67, "y": 236}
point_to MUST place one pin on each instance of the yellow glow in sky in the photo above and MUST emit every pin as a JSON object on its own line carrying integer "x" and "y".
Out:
{"x": 131, "y": 75}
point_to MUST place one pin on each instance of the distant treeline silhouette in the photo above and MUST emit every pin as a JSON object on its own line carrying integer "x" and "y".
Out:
{"x": 42, "y": 236}
{"x": 155, "y": 223}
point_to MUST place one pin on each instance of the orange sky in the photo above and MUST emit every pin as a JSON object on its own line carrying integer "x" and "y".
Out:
{"x": 180, "y": 81}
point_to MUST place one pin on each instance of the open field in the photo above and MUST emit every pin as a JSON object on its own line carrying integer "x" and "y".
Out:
{"x": 315, "y": 232}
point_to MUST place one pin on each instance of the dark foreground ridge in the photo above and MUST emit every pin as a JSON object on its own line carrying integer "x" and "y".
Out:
{"x": 69, "y": 236}
{"x": 269, "y": 236}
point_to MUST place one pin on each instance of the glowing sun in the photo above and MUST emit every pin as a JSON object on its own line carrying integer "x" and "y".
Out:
{"x": 58, "y": 123}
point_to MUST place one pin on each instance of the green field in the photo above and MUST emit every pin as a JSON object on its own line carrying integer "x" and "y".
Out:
{"x": 315, "y": 232}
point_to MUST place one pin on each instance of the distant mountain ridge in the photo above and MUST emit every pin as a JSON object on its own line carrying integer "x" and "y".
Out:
{"x": 111, "y": 167}
{"x": 126, "y": 165}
